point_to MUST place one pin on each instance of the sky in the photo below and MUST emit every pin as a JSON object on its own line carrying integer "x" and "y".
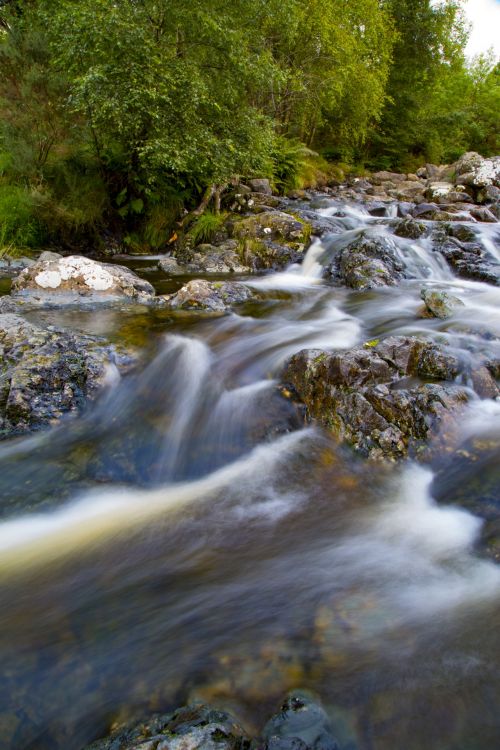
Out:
{"x": 485, "y": 18}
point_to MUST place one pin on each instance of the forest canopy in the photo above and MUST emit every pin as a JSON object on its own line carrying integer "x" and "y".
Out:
{"x": 120, "y": 114}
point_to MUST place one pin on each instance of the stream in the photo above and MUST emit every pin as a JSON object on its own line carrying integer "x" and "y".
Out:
{"x": 187, "y": 537}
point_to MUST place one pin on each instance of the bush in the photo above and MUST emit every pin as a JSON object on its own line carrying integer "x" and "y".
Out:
{"x": 206, "y": 226}
{"x": 19, "y": 228}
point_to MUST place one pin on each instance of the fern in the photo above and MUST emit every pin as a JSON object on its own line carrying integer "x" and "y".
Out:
{"x": 206, "y": 227}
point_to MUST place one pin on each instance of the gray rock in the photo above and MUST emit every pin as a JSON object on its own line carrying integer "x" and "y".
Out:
{"x": 83, "y": 276}
{"x": 373, "y": 397}
{"x": 483, "y": 214}
{"x": 171, "y": 266}
{"x": 213, "y": 296}
{"x": 473, "y": 170}
{"x": 49, "y": 255}
{"x": 260, "y": 186}
{"x": 469, "y": 261}
{"x": 46, "y": 373}
{"x": 410, "y": 229}
{"x": 439, "y": 303}
{"x": 301, "y": 724}
{"x": 366, "y": 263}
{"x": 196, "y": 727}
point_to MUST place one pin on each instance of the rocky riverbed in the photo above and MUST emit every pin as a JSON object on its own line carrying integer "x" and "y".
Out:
{"x": 265, "y": 464}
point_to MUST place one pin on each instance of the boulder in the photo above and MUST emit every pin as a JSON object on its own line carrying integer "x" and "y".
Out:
{"x": 212, "y": 296}
{"x": 377, "y": 178}
{"x": 300, "y": 724}
{"x": 477, "y": 172}
{"x": 440, "y": 304}
{"x": 366, "y": 263}
{"x": 470, "y": 261}
{"x": 196, "y": 727}
{"x": 171, "y": 266}
{"x": 260, "y": 186}
{"x": 81, "y": 276}
{"x": 374, "y": 398}
{"x": 273, "y": 225}
{"x": 483, "y": 214}
{"x": 224, "y": 258}
{"x": 410, "y": 229}
{"x": 48, "y": 372}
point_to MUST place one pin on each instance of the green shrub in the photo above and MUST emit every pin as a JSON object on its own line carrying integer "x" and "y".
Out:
{"x": 206, "y": 226}
{"x": 19, "y": 228}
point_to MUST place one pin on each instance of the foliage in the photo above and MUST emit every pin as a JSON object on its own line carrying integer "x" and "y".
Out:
{"x": 124, "y": 113}
{"x": 19, "y": 228}
{"x": 206, "y": 226}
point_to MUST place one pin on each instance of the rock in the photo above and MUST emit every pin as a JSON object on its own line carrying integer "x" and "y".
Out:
{"x": 439, "y": 303}
{"x": 366, "y": 263}
{"x": 10, "y": 267}
{"x": 83, "y": 276}
{"x": 171, "y": 266}
{"x": 260, "y": 186}
{"x": 301, "y": 724}
{"x": 439, "y": 190}
{"x": 320, "y": 225}
{"x": 410, "y": 229}
{"x": 462, "y": 232}
{"x": 370, "y": 397}
{"x": 277, "y": 226}
{"x": 377, "y": 178}
{"x": 469, "y": 261}
{"x": 483, "y": 214}
{"x": 488, "y": 194}
{"x": 424, "y": 210}
{"x": 195, "y": 727}
{"x": 47, "y": 372}
{"x": 49, "y": 255}
{"x": 473, "y": 170}
{"x": 214, "y": 296}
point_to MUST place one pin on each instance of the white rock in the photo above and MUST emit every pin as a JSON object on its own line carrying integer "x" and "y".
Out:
{"x": 48, "y": 279}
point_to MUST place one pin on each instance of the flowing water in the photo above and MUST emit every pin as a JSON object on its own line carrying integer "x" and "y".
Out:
{"x": 188, "y": 538}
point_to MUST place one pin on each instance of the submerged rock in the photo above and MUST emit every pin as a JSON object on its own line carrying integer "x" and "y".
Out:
{"x": 48, "y": 372}
{"x": 79, "y": 276}
{"x": 213, "y": 296}
{"x": 439, "y": 303}
{"x": 373, "y": 397}
{"x": 196, "y": 727}
{"x": 301, "y": 724}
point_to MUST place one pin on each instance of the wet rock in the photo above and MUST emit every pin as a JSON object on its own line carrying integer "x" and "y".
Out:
{"x": 461, "y": 232}
{"x": 373, "y": 397}
{"x": 301, "y": 724}
{"x": 469, "y": 261}
{"x": 439, "y": 303}
{"x": 171, "y": 266}
{"x": 224, "y": 258}
{"x": 410, "y": 228}
{"x": 196, "y": 727}
{"x": 488, "y": 194}
{"x": 260, "y": 186}
{"x": 483, "y": 214}
{"x": 47, "y": 372}
{"x": 10, "y": 267}
{"x": 320, "y": 225}
{"x": 83, "y": 276}
{"x": 213, "y": 296}
{"x": 366, "y": 263}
